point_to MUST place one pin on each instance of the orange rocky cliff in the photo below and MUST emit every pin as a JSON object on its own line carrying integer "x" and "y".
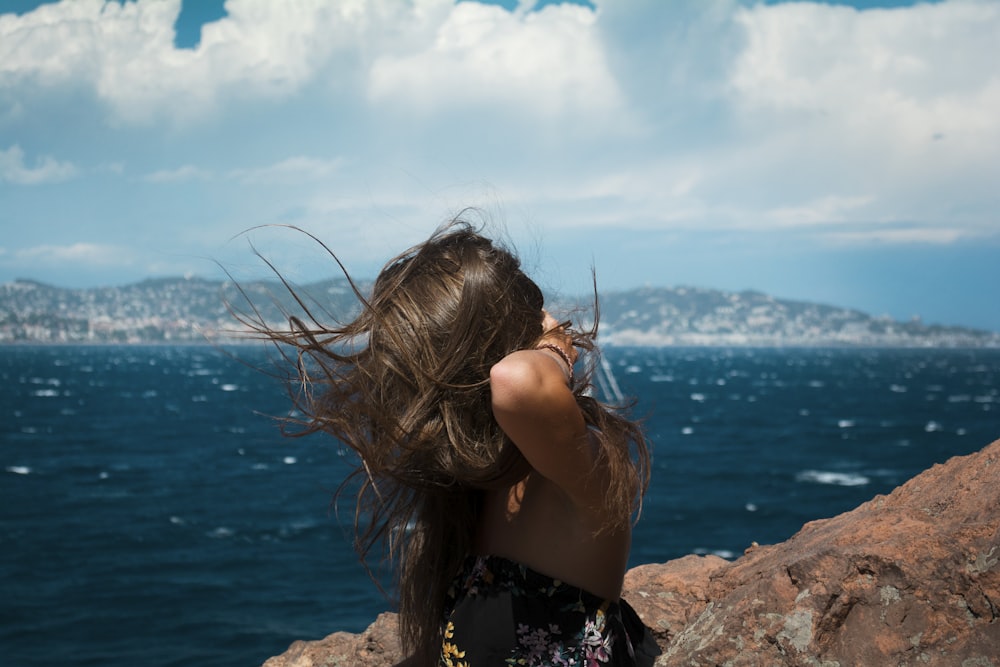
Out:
{"x": 911, "y": 578}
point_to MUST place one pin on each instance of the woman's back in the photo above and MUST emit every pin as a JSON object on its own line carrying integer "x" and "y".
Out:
{"x": 555, "y": 520}
{"x": 544, "y": 587}
{"x": 536, "y": 524}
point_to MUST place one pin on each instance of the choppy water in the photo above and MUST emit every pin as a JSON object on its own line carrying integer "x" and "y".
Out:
{"x": 151, "y": 514}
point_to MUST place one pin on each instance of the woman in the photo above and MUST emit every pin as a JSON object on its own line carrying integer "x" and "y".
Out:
{"x": 501, "y": 490}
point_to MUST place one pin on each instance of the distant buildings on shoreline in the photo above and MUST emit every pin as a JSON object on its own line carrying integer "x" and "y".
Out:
{"x": 193, "y": 310}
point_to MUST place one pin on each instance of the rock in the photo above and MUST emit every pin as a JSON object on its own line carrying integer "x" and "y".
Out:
{"x": 912, "y": 578}
{"x": 669, "y": 596}
{"x": 376, "y": 647}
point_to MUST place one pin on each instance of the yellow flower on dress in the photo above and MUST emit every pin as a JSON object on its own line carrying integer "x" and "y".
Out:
{"x": 450, "y": 651}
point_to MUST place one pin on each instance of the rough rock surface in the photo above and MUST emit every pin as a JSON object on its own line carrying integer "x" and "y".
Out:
{"x": 912, "y": 578}
{"x": 378, "y": 645}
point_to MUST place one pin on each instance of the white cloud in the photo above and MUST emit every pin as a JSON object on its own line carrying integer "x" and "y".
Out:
{"x": 683, "y": 115}
{"x": 873, "y": 66}
{"x": 821, "y": 211}
{"x": 290, "y": 170}
{"x": 903, "y": 99}
{"x": 125, "y": 52}
{"x": 427, "y": 55}
{"x": 895, "y": 236}
{"x": 549, "y": 63}
{"x": 185, "y": 173}
{"x": 46, "y": 169}
{"x": 80, "y": 254}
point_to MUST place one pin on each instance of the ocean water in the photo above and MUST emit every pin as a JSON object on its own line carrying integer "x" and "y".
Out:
{"x": 151, "y": 513}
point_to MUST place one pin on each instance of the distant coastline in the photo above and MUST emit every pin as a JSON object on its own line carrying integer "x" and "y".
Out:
{"x": 197, "y": 311}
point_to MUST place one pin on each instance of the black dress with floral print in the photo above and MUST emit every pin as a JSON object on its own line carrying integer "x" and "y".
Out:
{"x": 501, "y": 613}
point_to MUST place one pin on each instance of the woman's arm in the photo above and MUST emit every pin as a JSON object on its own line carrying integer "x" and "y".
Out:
{"x": 537, "y": 410}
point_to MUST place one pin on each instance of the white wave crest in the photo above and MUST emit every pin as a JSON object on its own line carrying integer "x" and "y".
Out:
{"x": 829, "y": 477}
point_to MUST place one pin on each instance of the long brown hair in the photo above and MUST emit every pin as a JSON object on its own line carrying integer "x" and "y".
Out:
{"x": 406, "y": 386}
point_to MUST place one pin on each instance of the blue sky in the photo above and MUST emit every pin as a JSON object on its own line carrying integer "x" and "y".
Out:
{"x": 847, "y": 153}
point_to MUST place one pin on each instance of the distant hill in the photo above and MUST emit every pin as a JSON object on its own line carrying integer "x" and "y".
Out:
{"x": 177, "y": 310}
{"x": 194, "y": 310}
{"x": 692, "y": 316}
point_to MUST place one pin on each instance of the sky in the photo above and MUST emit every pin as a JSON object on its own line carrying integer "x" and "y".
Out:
{"x": 846, "y": 153}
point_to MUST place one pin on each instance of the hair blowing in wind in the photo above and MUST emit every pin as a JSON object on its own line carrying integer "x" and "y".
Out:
{"x": 406, "y": 386}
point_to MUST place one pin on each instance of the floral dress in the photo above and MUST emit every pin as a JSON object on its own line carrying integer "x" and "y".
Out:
{"x": 502, "y": 613}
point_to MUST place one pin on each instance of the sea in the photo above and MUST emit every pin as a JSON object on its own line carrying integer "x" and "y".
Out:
{"x": 152, "y": 513}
